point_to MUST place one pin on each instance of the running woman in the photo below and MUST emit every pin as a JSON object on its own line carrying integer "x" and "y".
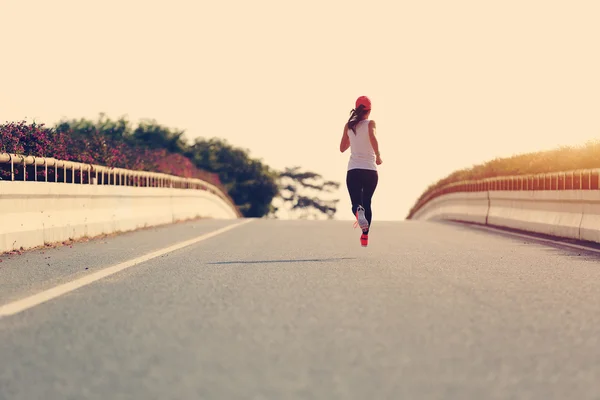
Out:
{"x": 362, "y": 176}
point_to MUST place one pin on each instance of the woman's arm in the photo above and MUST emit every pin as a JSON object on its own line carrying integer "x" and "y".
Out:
{"x": 345, "y": 143}
{"x": 374, "y": 141}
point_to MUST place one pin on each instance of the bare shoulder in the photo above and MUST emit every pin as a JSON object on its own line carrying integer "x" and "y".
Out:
{"x": 372, "y": 126}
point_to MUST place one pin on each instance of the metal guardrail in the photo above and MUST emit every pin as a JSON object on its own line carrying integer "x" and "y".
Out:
{"x": 71, "y": 172}
{"x": 584, "y": 179}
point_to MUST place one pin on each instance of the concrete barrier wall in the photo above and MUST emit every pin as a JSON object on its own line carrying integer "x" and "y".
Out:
{"x": 589, "y": 229}
{"x": 36, "y": 213}
{"x": 469, "y": 207}
{"x": 555, "y": 213}
{"x": 573, "y": 214}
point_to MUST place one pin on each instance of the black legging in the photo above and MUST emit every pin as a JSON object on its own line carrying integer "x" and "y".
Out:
{"x": 361, "y": 186}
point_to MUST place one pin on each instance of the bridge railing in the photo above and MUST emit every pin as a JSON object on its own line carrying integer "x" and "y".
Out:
{"x": 47, "y": 169}
{"x": 583, "y": 179}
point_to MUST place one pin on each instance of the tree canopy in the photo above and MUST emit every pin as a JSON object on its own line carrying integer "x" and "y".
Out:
{"x": 300, "y": 194}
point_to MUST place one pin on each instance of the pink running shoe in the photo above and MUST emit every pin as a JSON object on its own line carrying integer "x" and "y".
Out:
{"x": 364, "y": 240}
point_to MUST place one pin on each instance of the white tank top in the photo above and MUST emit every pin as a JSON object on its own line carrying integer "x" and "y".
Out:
{"x": 362, "y": 155}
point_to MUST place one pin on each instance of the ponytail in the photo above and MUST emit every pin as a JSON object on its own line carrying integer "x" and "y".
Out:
{"x": 356, "y": 115}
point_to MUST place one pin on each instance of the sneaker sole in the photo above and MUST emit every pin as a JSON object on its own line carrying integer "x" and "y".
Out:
{"x": 363, "y": 223}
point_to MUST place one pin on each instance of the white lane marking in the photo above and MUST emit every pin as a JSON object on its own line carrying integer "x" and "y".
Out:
{"x": 42, "y": 297}
{"x": 535, "y": 238}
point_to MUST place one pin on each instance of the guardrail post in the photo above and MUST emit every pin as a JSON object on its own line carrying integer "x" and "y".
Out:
{"x": 572, "y": 181}
{"x": 590, "y": 180}
{"x": 12, "y": 168}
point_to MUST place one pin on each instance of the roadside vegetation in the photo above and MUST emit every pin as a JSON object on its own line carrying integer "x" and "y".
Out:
{"x": 566, "y": 158}
{"x": 256, "y": 189}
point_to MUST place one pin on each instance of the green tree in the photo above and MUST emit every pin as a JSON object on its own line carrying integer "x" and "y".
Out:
{"x": 155, "y": 136}
{"x": 250, "y": 183}
{"x": 119, "y": 130}
{"x": 301, "y": 195}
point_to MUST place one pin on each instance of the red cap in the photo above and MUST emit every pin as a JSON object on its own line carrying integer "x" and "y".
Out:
{"x": 363, "y": 101}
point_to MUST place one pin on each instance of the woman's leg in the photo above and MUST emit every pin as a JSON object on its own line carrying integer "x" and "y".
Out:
{"x": 370, "y": 178}
{"x": 354, "y": 184}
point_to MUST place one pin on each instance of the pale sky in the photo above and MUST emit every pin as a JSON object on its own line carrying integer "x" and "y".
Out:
{"x": 453, "y": 83}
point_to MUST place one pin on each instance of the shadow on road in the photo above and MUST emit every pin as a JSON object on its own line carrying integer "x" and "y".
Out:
{"x": 284, "y": 261}
{"x": 589, "y": 251}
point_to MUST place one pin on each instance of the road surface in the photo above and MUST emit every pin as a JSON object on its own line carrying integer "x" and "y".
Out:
{"x": 298, "y": 310}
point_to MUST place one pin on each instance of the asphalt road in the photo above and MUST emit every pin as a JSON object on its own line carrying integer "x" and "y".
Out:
{"x": 298, "y": 310}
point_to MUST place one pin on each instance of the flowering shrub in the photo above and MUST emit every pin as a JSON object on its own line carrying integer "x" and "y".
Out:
{"x": 34, "y": 139}
{"x": 92, "y": 147}
{"x": 180, "y": 165}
